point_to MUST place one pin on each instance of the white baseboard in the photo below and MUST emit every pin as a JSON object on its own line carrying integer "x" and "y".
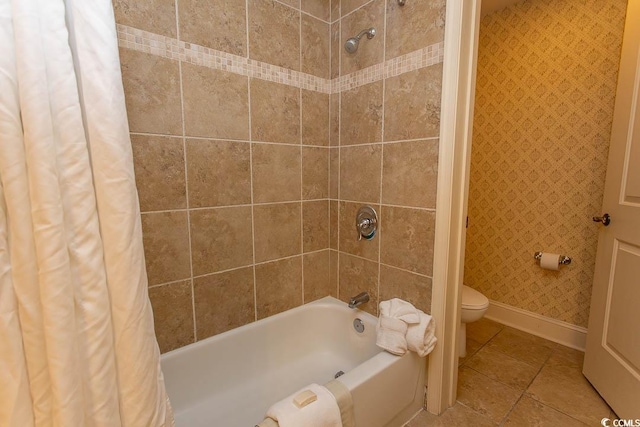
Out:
{"x": 545, "y": 327}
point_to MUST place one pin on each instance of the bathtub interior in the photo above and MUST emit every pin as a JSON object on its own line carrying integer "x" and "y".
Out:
{"x": 231, "y": 379}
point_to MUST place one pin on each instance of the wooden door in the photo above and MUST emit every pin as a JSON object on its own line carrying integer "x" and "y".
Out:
{"x": 612, "y": 359}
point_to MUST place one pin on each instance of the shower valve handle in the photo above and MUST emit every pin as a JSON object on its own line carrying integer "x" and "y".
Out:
{"x": 362, "y": 226}
{"x": 366, "y": 222}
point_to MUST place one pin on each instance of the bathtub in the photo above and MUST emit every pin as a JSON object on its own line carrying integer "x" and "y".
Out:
{"x": 231, "y": 379}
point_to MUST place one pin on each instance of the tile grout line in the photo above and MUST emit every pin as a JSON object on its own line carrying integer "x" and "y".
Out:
{"x": 486, "y": 417}
{"x": 242, "y": 205}
{"x": 388, "y": 265}
{"x": 302, "y": 11}
{"x": 328, "y": 135}
{"x": 215, "y": 139}
{"x": 186, "y": 182}
{"x": 384, "y": 80}
{"x": 192, "y": 209}
{"x": 506, "y": 416}
{"x": 481, "y": 347}
{"x": 301, "y": 160}
{"x": 339, "y": 166}
{"x": 251, "y": 145}
{"x": 390, "y": 205}
{"x": 228, "y": 270}
{"x": 204, "y": 138}
{"x": 172, "y": 282}
{"x": 543, "y": 403}
{"x": 526, "y": 388}
{"x": 354, "y": 10}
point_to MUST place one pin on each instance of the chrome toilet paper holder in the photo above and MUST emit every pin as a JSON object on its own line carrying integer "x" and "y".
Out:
{"x": 563, "y": 260}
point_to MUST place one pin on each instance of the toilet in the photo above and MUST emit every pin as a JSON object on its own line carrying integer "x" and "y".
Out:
{"x": 474, "y": 306}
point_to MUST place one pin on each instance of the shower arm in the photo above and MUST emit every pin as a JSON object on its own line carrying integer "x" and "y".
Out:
{"x": 370, "y": 32}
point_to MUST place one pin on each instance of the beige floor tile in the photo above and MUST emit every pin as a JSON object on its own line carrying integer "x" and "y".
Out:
{"x": 522, "y": 346}
{"x": 529, "y": 412}
{"x": 503, "y": 368}
{"x": 484, "y": 395}
{"x": 472, "y": 348}
{"x": 566, "y": 357}
{"x": 483, "y": 330}
{"x": 457, "y": 415}
{"x": 562, "y": 386}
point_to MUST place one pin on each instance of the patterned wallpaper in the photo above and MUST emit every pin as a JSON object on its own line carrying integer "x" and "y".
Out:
{"x": 547, "y": 73}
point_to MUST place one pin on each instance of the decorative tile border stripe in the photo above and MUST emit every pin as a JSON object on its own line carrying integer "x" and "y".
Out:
{"x": 155, "y": 44}
{"x": 167, "y": 47}
{"x": 421, "y": 58}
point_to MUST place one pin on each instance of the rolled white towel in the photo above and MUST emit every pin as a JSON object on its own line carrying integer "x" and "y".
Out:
{"x": 322, "y": 412}
{"x": 421, "y": 336}
{"x": 400, "y": 309}
{"x": 391, "y": 335}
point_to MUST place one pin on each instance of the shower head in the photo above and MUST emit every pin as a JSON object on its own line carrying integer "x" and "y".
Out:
{"x": 351, "y": 45}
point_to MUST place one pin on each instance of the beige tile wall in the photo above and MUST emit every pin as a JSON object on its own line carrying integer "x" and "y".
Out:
{"x": 251, "y": 163}
{"x": 384, "y": 148}
{"x": 232, "y": 171}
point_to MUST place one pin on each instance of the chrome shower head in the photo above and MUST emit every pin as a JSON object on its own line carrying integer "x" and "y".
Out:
{"x": 351, "y": 44}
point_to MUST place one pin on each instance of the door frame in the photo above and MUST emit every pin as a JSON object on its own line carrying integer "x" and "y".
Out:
{"x": 462, "y": 27}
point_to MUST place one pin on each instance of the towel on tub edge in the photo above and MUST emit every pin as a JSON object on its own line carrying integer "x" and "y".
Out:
{"x": 323, "y": 412}
{"x": 268, "y": 422}
{"x": 345, "y": 403}
{"x": 402, "y": 328}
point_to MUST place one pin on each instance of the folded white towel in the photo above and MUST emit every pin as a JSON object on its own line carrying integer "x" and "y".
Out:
{"x": 323, "y": 412}
{"x": 421, "y": 336}
{"x": 403, "y": 327}
{"x": 391, "y": 335}
{"x": 345, "y": 401}
{"x": 400, "y": 309}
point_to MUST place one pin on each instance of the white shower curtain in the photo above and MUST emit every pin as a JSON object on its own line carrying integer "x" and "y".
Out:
{"x": 77, "y": 346}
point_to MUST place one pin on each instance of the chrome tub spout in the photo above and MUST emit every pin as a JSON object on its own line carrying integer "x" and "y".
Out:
{"x": 358, "y": 300}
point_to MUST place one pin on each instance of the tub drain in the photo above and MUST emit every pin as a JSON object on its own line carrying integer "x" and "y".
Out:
{"x": 358, "y": 325}
{"x": 338, "y": 374}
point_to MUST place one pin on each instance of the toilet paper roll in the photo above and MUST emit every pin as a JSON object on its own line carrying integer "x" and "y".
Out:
{"x": 550, "y": 261}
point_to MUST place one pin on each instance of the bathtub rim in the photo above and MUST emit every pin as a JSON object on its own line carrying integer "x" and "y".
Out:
{"x": 328, "y": 301}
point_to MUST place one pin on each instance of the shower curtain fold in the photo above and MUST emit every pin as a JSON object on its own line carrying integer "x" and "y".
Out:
{"x": 77, "y": 346}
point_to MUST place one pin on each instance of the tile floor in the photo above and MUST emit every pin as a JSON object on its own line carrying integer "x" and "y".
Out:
{"x": 512, "y": 378}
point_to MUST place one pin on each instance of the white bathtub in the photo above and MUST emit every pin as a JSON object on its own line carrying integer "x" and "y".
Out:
{"x": 231, "y": 379}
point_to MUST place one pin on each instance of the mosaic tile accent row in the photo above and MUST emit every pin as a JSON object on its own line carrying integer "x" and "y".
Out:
{"x": 171, "y": 48}
{"x": 421, "y": 58}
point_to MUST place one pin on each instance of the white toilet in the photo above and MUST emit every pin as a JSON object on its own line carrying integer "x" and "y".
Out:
{"x": 474, "y": 306}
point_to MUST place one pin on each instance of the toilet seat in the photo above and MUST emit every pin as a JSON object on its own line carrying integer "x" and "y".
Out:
{"x": 473, "y": 300}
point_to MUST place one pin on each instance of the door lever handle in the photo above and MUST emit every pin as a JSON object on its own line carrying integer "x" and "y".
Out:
{"x": 604, "y": 219}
